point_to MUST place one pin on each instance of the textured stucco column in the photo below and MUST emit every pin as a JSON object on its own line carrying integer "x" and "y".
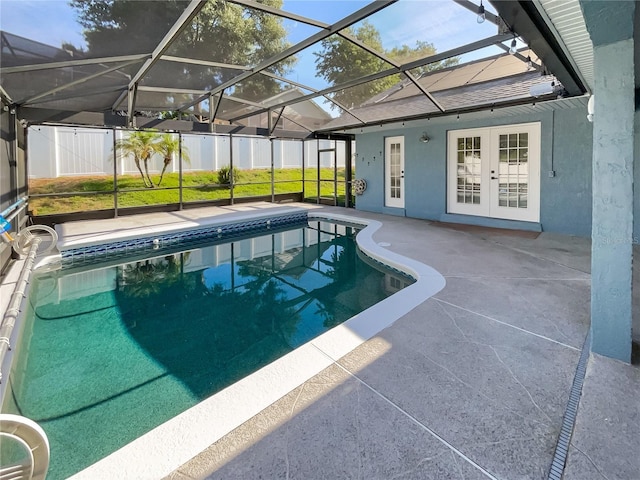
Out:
{"x": 610, "y": 25}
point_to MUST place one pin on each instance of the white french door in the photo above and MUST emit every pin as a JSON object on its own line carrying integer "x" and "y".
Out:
{"x": 394, "y": 172}
{"x": 495, "y": 172}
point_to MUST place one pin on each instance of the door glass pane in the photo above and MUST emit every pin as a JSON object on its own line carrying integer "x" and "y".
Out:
{"x": 513, "y": 172}
{"x": 524, "y": 140}
{"x": 502, "y": 194}
{"x": 395, "y": 171}
{"x": 469, "y": 170}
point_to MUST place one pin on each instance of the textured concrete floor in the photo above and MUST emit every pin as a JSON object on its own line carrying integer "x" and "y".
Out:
{"x": 471, "y": 384}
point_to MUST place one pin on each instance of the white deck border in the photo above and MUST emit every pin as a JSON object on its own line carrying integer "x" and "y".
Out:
{"x": 168, "y": 446}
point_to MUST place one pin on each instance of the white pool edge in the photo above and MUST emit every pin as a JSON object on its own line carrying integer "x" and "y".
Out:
{"x": 167, "y": 447}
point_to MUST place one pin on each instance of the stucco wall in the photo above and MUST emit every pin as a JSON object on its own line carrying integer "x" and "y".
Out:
{"x": 636, "y": 179}
{"x": 566, "y": 149}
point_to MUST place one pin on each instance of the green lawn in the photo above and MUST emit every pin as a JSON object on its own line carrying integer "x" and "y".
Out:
{"x": 197, "y": 186}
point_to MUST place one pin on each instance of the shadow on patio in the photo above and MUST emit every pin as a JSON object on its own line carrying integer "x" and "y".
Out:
{"x": 473, "y": 383}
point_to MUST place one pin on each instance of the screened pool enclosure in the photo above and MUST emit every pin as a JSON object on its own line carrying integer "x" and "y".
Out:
{"x": 254, "y": 99}
{"x": 93, "y": 170}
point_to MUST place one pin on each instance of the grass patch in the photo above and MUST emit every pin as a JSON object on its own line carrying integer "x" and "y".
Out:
{"x": 197, "y": 186}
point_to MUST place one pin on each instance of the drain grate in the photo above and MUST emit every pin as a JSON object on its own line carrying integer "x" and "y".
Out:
{"x": 570, "y": 413}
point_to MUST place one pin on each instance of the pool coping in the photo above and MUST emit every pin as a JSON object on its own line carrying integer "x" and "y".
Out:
{"x": 141, "y": 238}
{"x": 165, "y": 448}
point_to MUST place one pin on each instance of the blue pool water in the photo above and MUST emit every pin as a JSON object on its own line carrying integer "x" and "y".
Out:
{"x": 110, "y": 352}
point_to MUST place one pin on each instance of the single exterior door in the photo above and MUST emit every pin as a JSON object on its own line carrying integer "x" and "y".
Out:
{"x": 495, "y": 172}
{"x": 394, "y": 172}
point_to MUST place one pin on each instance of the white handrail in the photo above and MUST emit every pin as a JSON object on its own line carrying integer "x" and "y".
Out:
{"x": 32, "y": 438}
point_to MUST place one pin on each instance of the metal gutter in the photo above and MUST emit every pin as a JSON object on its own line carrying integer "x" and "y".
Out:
{"x": 525, "y": 21}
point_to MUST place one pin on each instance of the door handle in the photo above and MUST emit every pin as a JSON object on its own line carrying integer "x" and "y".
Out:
{"x": 494, "y": 178}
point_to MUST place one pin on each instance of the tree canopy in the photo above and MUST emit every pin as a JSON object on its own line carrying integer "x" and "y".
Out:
{"x": 222, "y": 32}
{"x": 340, "y": 61}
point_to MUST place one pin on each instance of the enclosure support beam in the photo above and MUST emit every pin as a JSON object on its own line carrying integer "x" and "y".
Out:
{"x": 304, "y": 147}
{"x": 76, "y": 82}
{"x": 73, "y": 63}
{"x": 270, "y": 127}
{"x": 5, "y": 96}
{"x": 115, "y": 174}
{"x": 189, "y": 14}
{"x": 131, "y": 106}
{"x": 231, "y": 179}
{"x": 275, "y": 124}
{"x": 180, "y": 199}
{"x": 396, "y": 65}
{"x": 347, "y": 21}
{"x": 273, "y": 172}
{"x": 212, "y": 107}
{"x": 348, "y": 173}
{"x": 306, "y": 87}
{"x": 495, "y": 39}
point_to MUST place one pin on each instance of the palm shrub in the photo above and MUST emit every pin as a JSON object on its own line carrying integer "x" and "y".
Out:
{"x": 225, "y": 173}
{"x": 168, "y": 145}
{"x": 141, "y": 145}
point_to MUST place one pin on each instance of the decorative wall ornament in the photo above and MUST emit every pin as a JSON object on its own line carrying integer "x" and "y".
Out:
{"x": 359, "y": 186}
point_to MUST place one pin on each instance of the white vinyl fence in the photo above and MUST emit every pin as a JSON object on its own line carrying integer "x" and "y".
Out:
{"x": 56, "y": 151}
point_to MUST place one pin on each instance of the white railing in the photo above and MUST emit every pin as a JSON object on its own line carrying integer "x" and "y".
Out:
{"x": 28, "y": 443}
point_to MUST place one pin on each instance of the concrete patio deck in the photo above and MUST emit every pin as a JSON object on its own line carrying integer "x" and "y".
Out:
{"x": 473, "y": 383}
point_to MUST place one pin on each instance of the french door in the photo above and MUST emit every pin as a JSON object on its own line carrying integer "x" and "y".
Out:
{"x": 394, "y": 172}
{"x": 495, "y": 172}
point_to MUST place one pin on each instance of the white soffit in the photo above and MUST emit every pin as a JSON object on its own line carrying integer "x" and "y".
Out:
{"x": 564, "y": 18}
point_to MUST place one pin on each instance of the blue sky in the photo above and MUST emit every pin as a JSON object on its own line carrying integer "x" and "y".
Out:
{"x": 47, "y": 21}
{"x": 442, "y": 23}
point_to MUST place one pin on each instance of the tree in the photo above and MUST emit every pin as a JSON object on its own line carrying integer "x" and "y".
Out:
{"x": 237, "y": 35}
{"x": 340, "y": 61}
{"x": 168, "y": 145}
{"x": 406, "y": 54}
{"x": 221, "y": 32}
{"x": 141, "y": 145}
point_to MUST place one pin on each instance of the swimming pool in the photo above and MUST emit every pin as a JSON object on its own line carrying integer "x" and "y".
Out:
{"x": 111, "y": 351}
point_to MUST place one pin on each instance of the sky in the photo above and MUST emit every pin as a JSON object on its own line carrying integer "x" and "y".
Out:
{"x": 48, "y": 21}
{"x": 443, "y": 23}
